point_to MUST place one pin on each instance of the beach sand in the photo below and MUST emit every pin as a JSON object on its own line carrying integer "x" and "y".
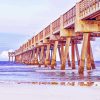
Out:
{"x": 48, "y": 92}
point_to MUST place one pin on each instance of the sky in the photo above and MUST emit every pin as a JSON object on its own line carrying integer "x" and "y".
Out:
{"x": 22, "y": 19}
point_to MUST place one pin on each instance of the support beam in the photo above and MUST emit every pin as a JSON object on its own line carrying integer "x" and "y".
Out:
{"x": 36, "y": 58}
{"x": 62, "y": 52}
{"x": 73, "y": 54}
{"x": 66, "y": 53}
{"x": 47, "y": 60}
{"x": 29, "y": 57}
{"x": 83, "y": 53}
{"x": 53, "y": 63}
{"x": 33, "y": 57}
{"x": 69, "y": 62}
{"x": 77, "y": 54}
{"x": 41, "y": 55}
{"x": 26, "y": 57}
{"x": 59, "y": 51}
{"x": 44, "y": 56}
{"x": 92, "y": 58}
{"x": 51, "y": 55}
{"x": 88, "y": 65}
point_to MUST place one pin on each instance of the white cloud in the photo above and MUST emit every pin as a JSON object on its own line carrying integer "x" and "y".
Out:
{"x": 4, "y": 55}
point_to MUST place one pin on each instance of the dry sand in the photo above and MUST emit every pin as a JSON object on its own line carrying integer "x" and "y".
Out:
{"x": 48, "y": 92}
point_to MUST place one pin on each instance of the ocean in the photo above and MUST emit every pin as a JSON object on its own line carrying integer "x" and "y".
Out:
{"x": 11, "y": 72}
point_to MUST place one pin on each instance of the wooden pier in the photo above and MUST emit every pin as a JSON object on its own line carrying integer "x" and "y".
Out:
{"x": 81, "y": 24}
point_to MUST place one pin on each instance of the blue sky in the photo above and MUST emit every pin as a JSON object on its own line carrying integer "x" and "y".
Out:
{"x": 22, "y": 19}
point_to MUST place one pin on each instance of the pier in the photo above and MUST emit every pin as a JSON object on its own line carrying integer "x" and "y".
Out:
{"x": 11, "y": 56}
{"x": 79, "y": 25}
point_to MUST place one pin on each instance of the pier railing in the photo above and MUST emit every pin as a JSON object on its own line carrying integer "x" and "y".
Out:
{"x": 32, "y": 40}
{"x": 69, "y": 17}
{"x": 86, "y": 7}
{"x": 36, "y": 38}
{"x": 47, "y": 31}
{"x": 41, "y": 36}
{"x": 27, "y": 45}
{"x": 56, "y": 25}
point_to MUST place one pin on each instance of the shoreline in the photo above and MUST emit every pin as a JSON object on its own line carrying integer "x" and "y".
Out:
{"x": 55, "y": 83}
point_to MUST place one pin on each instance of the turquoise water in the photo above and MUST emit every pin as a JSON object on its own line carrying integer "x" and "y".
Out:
{"x": 18, "y": 73}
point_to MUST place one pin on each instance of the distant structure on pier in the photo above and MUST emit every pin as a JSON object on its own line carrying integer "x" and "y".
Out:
{"x": 79, "y": 25}
{"x": 11, "y": 56}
